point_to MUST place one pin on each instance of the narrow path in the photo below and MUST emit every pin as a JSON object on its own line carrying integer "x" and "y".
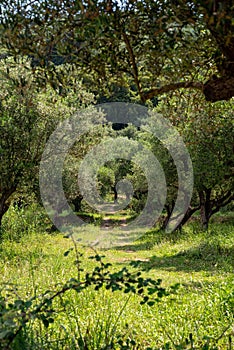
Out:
{"x": 110, "y": 222}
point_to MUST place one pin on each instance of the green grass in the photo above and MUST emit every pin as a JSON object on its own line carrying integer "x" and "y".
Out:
{"x": 199, "y": 315}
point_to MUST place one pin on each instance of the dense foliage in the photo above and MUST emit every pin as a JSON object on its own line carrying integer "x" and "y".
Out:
{"x": 151, "y": 46}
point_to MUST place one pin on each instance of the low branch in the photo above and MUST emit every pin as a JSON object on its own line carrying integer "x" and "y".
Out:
{"x": 171, "y": 87}
{"x": 134, "y": 65}
{"x": 222, "y": 202}
{"x": 187, "y": 216}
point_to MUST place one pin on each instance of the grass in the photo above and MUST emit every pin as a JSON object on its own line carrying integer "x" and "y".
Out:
{"x": 198, "y": 316}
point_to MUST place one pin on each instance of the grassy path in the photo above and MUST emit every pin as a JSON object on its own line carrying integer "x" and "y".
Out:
{"x": 202, "y": 263}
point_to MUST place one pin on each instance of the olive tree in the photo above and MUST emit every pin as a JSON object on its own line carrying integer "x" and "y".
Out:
{"x": 207, "y": 130}
{"x": 157, "y": 46}
{"x": 28, "y": 115}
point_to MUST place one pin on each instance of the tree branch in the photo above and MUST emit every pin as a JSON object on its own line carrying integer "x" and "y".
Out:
{"x": 171, "y": 87}
{"x": 134, "y": 65}
{"x": 222, "y": 202}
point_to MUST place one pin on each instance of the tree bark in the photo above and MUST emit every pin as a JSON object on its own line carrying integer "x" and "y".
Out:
{"x": 221, "y": 202}
{"x": 115, "y": 194}
{"x": 187, "y": 216}
{"x": 169, "y": 210}
{"x": 77, "y": 202}
{"x": 205, "y": 207}
{"x": 4, "y": 206}
{"x": 185, "y": 219}
{"x": 171, "y": 87}
{"x": 217, "y": 89}
{"x": 209, "y": 207}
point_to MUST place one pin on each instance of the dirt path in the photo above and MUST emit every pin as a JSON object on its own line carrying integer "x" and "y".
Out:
{"x": 109, "y": 222}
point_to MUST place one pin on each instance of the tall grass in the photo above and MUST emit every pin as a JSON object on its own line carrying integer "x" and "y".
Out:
{"x": 198, "y": 316}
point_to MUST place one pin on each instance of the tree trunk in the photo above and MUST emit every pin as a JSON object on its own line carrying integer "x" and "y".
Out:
{"x": 185, "y": 219}
{"x": 4, "y": 206}
{"x": 169, "y": 210}
{"x": 115, "y": 194}
{"x": 1, "y": 216}
{"x": 77, "y": 202}
{"x": 219, "y": 88}
{"x": 205, "y": 208}
{"x": 189, "y": 213}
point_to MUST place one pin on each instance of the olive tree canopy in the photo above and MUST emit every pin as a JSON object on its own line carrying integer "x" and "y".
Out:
{"x": 157, "y": 46}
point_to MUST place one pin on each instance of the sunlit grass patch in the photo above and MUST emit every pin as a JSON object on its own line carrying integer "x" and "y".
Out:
{"x": 200, "y": 313}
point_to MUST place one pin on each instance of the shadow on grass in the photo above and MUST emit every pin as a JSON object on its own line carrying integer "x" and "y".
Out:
{"x": 150, "y": 239}
{"x": 206, "y": 257}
